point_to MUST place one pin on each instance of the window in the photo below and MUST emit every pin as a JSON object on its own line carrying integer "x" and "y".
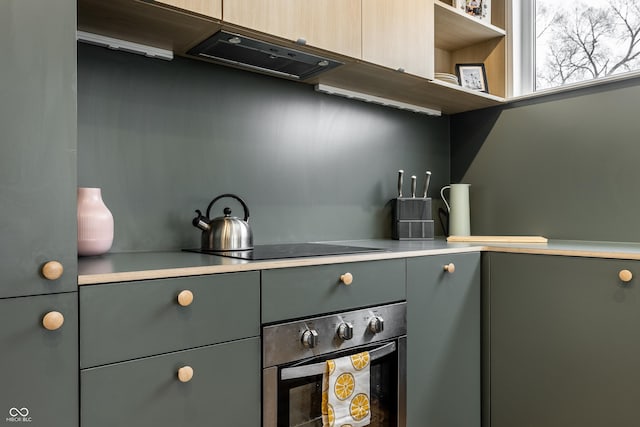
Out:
{"x": 564, "y": 42}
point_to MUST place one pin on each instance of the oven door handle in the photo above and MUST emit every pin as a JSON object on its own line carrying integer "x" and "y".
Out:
{"x": 319, "y": 368}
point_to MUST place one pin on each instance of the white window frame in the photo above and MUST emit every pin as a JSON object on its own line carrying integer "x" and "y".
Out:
{"x": 521, "y": 44}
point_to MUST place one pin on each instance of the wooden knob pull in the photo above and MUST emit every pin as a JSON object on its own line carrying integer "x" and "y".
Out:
{"x": 346, "y": 278}
{"x": 53, "y": 320}
{"x": 450, "y": 268}
{"x": 185, "y": 374}
{"x": 52, "y": 270}
{"x": 185, "y": 298}
{"x": 625, "y": 275}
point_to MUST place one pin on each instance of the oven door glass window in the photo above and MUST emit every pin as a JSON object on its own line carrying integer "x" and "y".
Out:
{"x": 300, "y": 399}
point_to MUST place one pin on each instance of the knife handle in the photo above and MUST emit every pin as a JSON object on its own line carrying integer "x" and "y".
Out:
{"x": 413, "y": 186}
{"x": 427, "y": 178}
{"x": 400, "y": 175}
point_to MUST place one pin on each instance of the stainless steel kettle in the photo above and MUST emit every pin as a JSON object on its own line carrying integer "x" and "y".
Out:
{"x": 225, "y": 233}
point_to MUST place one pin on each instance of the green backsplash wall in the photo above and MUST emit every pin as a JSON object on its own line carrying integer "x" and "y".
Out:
{"x": 563, "y": 166}
{"x": 164, "y": 138}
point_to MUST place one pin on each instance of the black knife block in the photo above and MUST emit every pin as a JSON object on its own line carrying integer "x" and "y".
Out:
{"x": 411, "y": 218}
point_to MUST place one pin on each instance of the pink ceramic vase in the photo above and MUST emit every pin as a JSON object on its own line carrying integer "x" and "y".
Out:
{"x": 95, "y": 223}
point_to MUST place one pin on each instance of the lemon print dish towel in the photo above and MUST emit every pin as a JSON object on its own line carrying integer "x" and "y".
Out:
{"x": 345, "y": 392}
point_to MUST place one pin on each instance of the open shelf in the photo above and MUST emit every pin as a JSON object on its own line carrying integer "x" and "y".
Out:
{"x": 455, "y": 30}
{"x": 487, "y": 97}
{"x": 463, "y": 39}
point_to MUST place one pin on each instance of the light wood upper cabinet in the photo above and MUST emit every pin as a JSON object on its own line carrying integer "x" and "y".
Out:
{"x": 420, "y": 36}
{"x": 333, "y": 25}
{"x": 212, "y": 8}
{"x": 399, "y": 34}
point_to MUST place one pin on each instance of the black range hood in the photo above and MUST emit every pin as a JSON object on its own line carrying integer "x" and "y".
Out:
{"x": 257, "y": 55}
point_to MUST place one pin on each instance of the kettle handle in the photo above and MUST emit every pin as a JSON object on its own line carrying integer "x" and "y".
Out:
{"x": 244, "y": 205}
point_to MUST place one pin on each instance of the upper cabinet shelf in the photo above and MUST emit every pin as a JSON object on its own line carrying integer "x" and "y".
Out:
{"x": 463, "y": 39}
{"x": 455, "y": 30}
{"x": 481, "y": 100}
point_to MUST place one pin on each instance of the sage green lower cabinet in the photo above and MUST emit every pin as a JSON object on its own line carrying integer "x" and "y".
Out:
{"x": 39, "y": 367}
{"x": 305, "y": 291}
{"x": 122, "y": 321}
{"x": 443, "y": 344}
{"x": 224, "y": 390}
{"x": 564, "y": 342}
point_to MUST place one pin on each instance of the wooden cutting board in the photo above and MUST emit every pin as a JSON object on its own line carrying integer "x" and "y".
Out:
{"x": 498, "y": 239}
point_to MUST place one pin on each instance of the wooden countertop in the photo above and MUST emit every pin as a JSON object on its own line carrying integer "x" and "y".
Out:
{"x": 121, "y": 267}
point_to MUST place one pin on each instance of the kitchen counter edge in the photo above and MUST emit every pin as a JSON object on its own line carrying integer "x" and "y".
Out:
{"x": 123, "y": 267}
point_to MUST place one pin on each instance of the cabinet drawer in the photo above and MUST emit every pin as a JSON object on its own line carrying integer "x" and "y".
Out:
{"x": 124, "y": 321}
{"x": 39, "y": 367}
{"x": 303, "y": 291}
{"x": 224, "y": 389}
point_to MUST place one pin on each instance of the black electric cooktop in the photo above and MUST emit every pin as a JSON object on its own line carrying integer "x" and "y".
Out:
{"x": 288, "y": 250}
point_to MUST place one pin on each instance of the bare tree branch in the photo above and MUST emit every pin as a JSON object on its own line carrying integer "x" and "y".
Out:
{"x": 588, "y": 41}
{"x": 633, "y": 30}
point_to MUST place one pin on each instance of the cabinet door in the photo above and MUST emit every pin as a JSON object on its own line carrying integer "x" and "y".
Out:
{"x": 224, "y": 390}
{"x": 333, "y": 25}
{"x": 564, "y": 342}
{"x": 38, "y": 145}
{"x": 39, "y": 367}
{"x": 399, "y": 35}
{"x": 443, "y": 345}
{"x": 212, "y": 8}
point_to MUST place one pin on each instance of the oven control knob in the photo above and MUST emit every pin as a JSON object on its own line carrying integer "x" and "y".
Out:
{"x": 376, "y": 324}
{"x": 310, "y": 338}
{"x": 345, "y": 331}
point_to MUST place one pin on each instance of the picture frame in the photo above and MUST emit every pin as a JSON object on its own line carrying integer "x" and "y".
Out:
{"x": 480, "y": 9}
{"x": 472, "y": 76}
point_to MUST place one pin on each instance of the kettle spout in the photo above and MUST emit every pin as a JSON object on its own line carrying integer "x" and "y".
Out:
{"x": 201, "y": 222}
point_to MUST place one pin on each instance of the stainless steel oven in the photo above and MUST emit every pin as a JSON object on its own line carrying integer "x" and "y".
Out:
{"x": 294, "y": 356}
